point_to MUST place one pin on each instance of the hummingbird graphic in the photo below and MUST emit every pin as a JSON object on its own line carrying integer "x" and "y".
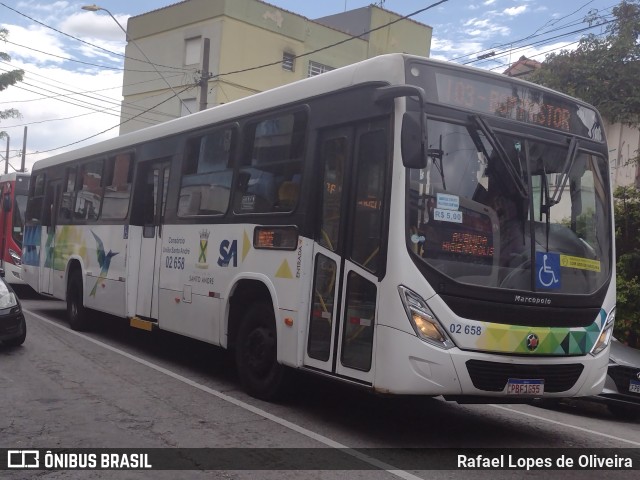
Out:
{"x": 103, "y": 261}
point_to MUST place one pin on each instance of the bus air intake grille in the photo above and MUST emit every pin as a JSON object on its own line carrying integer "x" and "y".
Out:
{"x": 622, "y": 377}
{"x": 493, "y": 376}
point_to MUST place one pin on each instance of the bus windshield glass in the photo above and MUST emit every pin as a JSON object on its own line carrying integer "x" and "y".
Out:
{"x": 508, "y": 211}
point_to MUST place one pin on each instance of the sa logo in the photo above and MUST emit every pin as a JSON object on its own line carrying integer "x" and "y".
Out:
{"x": 228, "y": 252}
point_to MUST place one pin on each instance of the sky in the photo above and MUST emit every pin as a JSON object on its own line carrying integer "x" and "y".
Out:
{"x": 73, "y": 62}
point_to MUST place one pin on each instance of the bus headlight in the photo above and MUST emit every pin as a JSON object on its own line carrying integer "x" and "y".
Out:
{"x": 605, "y": 335}
{"x": 422, "y": 319}
{"x": 15, "y": 257}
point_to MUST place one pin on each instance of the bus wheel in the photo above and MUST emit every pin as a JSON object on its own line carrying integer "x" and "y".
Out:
{"x": 76, "y": 312}
{"x": 258, "y": 369}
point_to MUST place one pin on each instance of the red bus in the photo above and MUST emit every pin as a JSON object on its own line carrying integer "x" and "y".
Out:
{"x": 14, "y": 188}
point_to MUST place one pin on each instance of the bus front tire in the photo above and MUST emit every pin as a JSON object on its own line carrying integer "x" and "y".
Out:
{"x": 76, "y": 312}
{"x": 256, "y": 355}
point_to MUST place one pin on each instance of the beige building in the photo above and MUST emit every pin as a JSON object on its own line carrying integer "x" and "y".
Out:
{"x": 624, "y": 150}
{"x": 244, "y": 36}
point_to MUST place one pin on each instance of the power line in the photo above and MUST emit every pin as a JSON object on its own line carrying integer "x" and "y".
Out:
{"x": 108, "y": 100}
{"x": 70, "y": 59}
{"x": 258, "y": 67}
{"x": 279, "y": 62}
{"x": 30, "y": 72}
{"x": 83, "y": 41}
{"x": 534, "y": 35}
{"x": 119, "y": 124}
{"x": 543, "y": 41}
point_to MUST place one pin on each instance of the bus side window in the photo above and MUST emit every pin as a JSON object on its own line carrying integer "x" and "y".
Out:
{"x": 119, "y": 176}
{"x": 271, "y": 168}
{"x": 207, "y": 174}
{"x": 89, "y": 195}
{"x": 68, "y": 197}
{"x": 34, "y": 207}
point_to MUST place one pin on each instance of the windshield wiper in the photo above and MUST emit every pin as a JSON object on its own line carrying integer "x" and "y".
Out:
{"x": 437, "y": 154}
{"x": 568, "y": 165}
{"x": 502, "y": 155}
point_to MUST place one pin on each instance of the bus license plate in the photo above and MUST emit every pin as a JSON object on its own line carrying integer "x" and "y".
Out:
{"x": 634, "y": 386}
{"x": 517, "y": 386}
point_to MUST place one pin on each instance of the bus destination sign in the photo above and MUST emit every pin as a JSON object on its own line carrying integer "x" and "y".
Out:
{"x": 516, "y": 102}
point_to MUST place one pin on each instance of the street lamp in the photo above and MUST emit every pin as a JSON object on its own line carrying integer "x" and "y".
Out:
{"x": 96, "y": 8}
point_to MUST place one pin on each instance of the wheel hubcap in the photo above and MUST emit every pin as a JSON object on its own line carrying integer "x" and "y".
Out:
{"x": 260, "y": 350}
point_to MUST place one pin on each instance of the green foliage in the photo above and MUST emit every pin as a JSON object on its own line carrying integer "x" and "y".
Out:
{"x": 627, "y": 216}
{"x": 6, "y": 80}
{"x": 603, "y": 71}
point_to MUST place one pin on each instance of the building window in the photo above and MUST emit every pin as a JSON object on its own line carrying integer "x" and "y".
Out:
{"x": 192, "y": 48}
{"x": 188, "y": 106}
{"x": 316, "y": 68}
{"x": 288, "y": 61}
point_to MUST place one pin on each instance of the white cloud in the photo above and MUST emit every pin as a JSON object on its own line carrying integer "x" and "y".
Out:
{"x": 489, "y": 2}
{"x": 48, "y": 118}
{"x": 488, "y": 30}
{"x": 513, "y": 11}
{"x": 33, "y": 44}
{"x": 95, "y": 25}
{"x": 44, "y": 7}
{"x": 478, "y": 23}
{"x": 453, "y": 49}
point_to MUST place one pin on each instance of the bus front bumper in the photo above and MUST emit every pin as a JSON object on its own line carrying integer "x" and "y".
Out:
{"x": 407, "y": 365}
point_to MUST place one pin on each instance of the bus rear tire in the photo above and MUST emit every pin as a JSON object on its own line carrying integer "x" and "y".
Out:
{"x": 260, "y": 373}
{"x": 76, "y": 313}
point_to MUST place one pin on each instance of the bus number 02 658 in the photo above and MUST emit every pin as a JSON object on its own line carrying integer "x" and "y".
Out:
{"x": 467, "y": 329}
{"x": 174, "y": 262}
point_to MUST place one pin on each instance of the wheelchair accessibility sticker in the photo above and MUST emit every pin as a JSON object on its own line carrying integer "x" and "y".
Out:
{"x": 548, "y": 270}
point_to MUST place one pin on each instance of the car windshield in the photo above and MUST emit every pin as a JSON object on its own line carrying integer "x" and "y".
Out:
{"x": 511, "y": 211}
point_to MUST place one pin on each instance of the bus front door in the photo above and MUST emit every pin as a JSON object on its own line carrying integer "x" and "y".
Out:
{"x": 347, "y": 254}
{"x": 152, "y": 181}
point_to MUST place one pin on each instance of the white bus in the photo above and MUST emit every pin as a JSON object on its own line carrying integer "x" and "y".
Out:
{"x": 407, "y": 225}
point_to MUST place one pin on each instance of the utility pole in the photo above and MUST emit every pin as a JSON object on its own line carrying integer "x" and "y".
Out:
{"x": 24, "y": 149}
{"x": 204, "y": 77}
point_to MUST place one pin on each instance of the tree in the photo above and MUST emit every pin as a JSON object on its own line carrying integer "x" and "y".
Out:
{"x": 603, "y": 71}
{"x": 627, "y": 213}
{"x": 6, "y": 80}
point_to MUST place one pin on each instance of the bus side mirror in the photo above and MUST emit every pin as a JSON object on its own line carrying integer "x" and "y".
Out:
{"x": 6, "y": 203}
{"x": 413, "y": 140}
{"x": 414, "y": 125}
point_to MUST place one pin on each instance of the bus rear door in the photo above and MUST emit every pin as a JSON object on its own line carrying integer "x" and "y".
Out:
{"x": 53, "y": 195}
{"x": 151, "y": 196}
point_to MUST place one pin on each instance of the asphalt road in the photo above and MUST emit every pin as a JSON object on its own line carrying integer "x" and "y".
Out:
{"x": 117, "y": 387}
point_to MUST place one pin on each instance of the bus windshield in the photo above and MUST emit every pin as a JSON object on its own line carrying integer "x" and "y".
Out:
{"x": 508, "y": 211}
